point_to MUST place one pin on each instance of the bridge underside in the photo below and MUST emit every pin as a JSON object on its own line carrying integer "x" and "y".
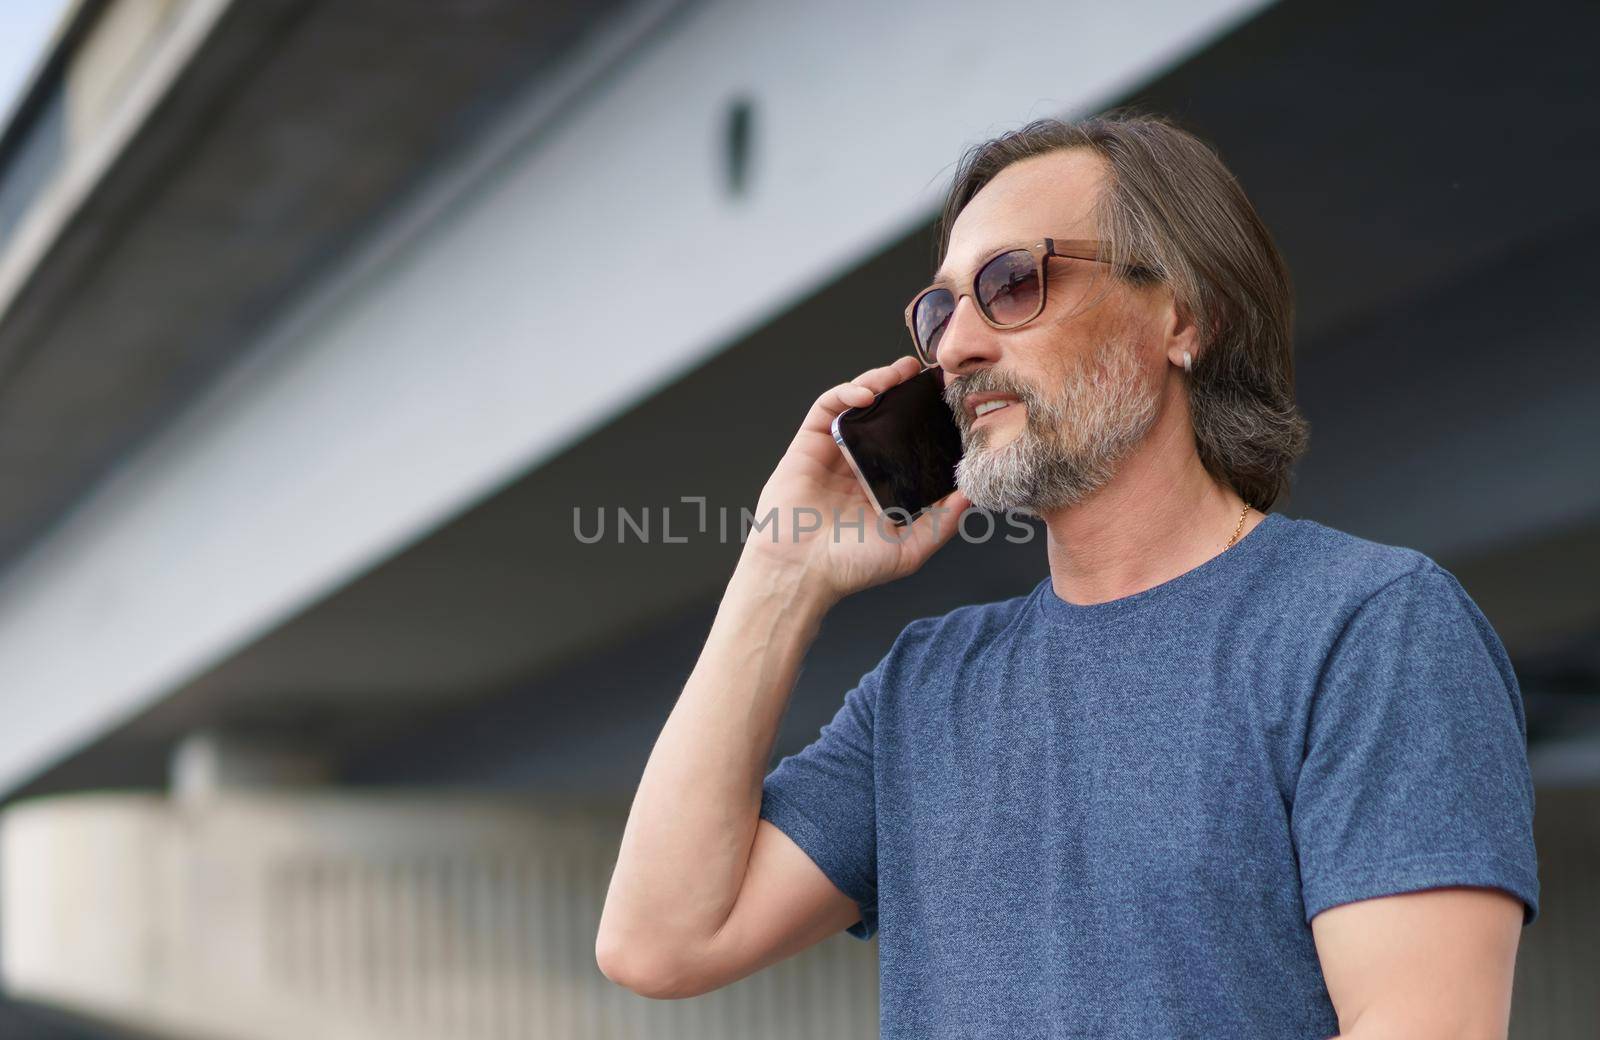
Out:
{"x": 1428, "y": 179}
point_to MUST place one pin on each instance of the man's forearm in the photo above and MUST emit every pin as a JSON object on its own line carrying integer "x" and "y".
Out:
{"x": 687, "y": 842}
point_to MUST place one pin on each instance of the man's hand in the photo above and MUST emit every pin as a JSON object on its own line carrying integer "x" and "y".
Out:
{"x": 851, "y": 547}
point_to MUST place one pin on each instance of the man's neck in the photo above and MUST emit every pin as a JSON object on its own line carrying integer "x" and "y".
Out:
{"x": 1162, "y": 515}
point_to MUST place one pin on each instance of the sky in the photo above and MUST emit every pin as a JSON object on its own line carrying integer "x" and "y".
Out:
{"x": 25, "y": 28}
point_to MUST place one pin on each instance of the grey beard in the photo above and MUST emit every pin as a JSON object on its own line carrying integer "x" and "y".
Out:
{"x": 1072, "y": 440}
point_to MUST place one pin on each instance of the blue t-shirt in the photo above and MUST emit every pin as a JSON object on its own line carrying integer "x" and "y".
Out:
{"x": 1118, "y": 819}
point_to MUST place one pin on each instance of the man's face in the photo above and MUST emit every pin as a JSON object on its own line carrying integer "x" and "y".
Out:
{"x": 1082, "y": 382}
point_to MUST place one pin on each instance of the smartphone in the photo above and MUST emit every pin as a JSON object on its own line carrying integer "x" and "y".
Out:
{"x": 904, "y": 446}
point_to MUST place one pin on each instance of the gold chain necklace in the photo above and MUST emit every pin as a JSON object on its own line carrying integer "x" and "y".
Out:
{"x": 1237, "y": 529}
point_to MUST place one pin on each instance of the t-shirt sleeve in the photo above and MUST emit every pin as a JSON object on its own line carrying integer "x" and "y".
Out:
{"x": 1416, "y": 768}
{"x": 824, "y": 798}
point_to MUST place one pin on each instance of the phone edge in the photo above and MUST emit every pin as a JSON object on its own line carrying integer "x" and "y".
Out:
{"x": 855, "y": 468}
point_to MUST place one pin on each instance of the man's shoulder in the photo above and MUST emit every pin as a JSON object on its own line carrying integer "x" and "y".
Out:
{"x": 961, "y": 626}
{"x": 1336, "y": 567}
{"x": 978, "y": 618}
{"x": 1342, "y": 577}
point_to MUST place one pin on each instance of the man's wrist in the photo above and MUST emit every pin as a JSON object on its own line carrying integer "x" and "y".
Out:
{"x": 783, "y": 581}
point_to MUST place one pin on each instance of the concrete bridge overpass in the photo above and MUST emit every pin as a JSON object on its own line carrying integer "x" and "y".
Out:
{"x": 318, "y": 320}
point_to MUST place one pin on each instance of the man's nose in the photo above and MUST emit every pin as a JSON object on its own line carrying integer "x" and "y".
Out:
{"x": 968, "y": 342}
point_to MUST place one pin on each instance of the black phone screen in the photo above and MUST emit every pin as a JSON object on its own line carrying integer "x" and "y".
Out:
{"x": 904, "y": 445}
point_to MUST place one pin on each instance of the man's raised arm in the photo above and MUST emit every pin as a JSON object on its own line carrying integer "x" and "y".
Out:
{"x": 704, "y": 891}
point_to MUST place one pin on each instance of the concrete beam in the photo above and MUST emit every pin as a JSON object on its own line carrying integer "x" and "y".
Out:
{"x": 484, "y": 334}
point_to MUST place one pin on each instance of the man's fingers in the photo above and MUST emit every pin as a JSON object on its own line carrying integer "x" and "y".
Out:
{"x": 859, "y": 392}
{"x": 838, "y": 398}
{"x": 941, "y": 520}
{"x": 882, "y": 378}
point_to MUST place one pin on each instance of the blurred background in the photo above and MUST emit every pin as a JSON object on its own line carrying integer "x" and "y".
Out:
{"x": 324, "y": 323}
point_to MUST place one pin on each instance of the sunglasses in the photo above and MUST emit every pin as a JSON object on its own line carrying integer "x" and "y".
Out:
{"x": 1009, "y": 289}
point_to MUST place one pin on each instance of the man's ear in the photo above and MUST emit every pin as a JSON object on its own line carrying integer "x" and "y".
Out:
{"x": 1182, "y": 333}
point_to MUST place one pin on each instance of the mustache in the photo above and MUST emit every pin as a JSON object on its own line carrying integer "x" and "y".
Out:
{"x": 985, "y": 380}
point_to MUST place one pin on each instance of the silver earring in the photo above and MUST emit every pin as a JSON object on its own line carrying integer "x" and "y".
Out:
{"x": 1188, "y": 363}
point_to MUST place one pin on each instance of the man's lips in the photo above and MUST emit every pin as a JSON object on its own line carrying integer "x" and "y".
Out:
{"x": 973, "y": 403}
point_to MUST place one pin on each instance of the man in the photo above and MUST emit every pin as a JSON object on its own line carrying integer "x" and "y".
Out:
{"x": 1221, "y": 774}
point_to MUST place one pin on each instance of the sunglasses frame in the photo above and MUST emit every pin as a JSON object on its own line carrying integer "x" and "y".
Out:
{"x": 1075, "y": 248}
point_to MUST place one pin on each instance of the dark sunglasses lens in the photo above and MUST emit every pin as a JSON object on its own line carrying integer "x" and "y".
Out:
{"x": 930, "y": 318}
{"x": 1008, "y": 287}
